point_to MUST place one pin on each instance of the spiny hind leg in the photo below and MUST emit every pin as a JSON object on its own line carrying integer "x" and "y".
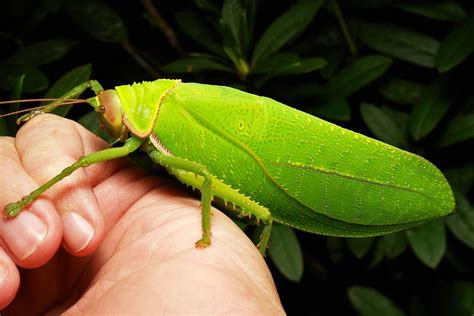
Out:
{"x": 170, "y": 163}
{"x": 197, "y": 176}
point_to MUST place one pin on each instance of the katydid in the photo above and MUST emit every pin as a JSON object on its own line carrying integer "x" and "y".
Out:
{"x": 271, "y": 161}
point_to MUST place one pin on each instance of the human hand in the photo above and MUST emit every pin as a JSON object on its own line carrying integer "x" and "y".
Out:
{"x": 128, "y": 238}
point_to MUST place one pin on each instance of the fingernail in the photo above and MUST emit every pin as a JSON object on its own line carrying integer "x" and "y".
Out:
{"x": 78, "y": 232}
{"x": 24, "y": 234}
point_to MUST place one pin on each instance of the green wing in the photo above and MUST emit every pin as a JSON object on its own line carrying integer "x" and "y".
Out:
{"x": 311, "y": 174}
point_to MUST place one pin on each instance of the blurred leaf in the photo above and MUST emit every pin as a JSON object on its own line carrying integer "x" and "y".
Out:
{"x": 235, "y": 23}
{"x": 194, "y": 64}
{"x": 333, "y": 109}
{"x": 402, "y": 91}
{"x": 285, "y": 252}
{"x": 42, "y": 10}
{"x": 331, "y": 46}
{"x": 35, "y": 79}
{"x": 429, "y": 110}
{"x": 98, "y": 19}
{"x": 303, "y": 66}
{"x": 194, "y": 27}
{"x": 382, "y": 125}
{"x": 40, "y": 53}
{"x": 414, "y": 47}
{"x": 457, "y": 46}
{"x": 459, "y": 129}
{"x": 428, "y": 242}
{"x": 289, "y": 64}
{"x": 284, "y": 28}
{"x": 206, "y": 5}
{"x": 442, "y": 10}
{"x": 461, "y": 224}
{"x": 64, "y": 84}
{"x": 335, "y": 247}
{"x": 461, "y": 177}
{"x": 394, "y": 244}
{"x": 275, "y": 62}
{"x": 369, "y": 302}
{"x": 360, "y": 246}
{"x": 457, "y": 299}
{"x": 358, "y": 74}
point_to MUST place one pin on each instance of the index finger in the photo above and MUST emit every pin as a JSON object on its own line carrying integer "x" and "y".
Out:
{"x": 47, "y": 145}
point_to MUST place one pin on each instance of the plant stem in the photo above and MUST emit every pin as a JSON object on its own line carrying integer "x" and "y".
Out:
{"x": 139, "y": 59}
{"x": 163, "y": 26}
{"x": 344, "y": 28}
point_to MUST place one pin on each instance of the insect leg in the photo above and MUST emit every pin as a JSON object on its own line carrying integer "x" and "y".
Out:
{"x": 197, "y": 176}
{"x": 206, "y": 188}
{"x": 13, "y": 209}
{"x": 75, "y": 92}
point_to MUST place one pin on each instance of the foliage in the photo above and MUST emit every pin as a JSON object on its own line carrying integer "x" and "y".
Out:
{"x": 393, "y": 70}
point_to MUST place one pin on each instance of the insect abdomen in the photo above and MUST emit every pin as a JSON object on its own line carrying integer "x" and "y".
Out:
{"x": 311, "y": 174}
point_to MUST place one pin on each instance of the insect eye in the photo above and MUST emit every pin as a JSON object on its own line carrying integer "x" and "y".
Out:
{"x": 101, "y": 109}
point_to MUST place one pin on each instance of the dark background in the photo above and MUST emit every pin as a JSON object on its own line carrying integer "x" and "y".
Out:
{"x": 411, "y": 94}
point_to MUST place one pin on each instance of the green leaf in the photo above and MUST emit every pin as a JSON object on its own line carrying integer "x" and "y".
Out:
{"x": 235, "y": 25}
{"x": 457, "y": 46}
{"x": 383, "y": 125}
{"x": 285, "y": 252}
{"x": 402, "y": 91}
{"x": 193, "y": 26}
{"x": 455, "y": 299}
{"x": 330, "y": 45}
{"x": 206, "y": 5}
{"x": 393, "y": 244}
{"x": 289, "y": 64}
{"x": 194, "y": 64}
{"x": 459, "y": 129}
{"x": 40, "y": 53}
{"x": 285, "y": 28}
{"x": 429, "y": 111}
{"x": 448, "y": 10}
{"x": 35, "y": 79}
{"x": 358, "y": 74}
{"x": 64, "y": 84}
{"x": 303, "y": 66}
{"x": 461, "y": 224}
{"x": 335, "y": 246}
{"x": 360, "y": 246}
{"x": 98, "y": 19}
{"x": 461, "y": 177}
{"x": 428, "y": 242}
{"x": 369, "y": 302}
{"x": 333, "y": 109}
{"x": 404, "y": 44}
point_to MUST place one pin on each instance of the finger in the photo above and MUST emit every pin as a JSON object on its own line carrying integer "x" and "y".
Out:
{"x": 121, "y": 190}
{"x": 47, "y": 145}
{"x": 33, "y": 237}
{"x": 9, "y": 279}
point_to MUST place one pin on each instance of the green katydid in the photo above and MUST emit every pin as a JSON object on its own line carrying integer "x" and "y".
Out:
{"x": 271, "y": 161}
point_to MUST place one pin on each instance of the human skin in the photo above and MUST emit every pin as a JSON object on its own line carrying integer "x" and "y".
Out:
{"x": 111, "y": 239}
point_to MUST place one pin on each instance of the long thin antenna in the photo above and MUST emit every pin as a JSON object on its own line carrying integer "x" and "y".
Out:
{"x": 72, "y": 101}
{"x": 40, "y": 100}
